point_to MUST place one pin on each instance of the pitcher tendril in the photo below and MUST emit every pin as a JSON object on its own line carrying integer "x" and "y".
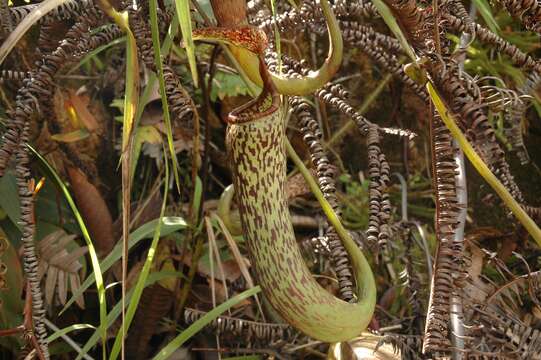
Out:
{"x": 247, "y": 42}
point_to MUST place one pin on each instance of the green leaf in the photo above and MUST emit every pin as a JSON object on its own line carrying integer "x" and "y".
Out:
{"x": 202, "y": 322}
{"x": 11, "y": 308}
{"x": 148, "y": 134}
{"x": 131, "y": 88}
{"x": 140, "y": 285}
{"x": 486, "y": 14}
{"x": 9, "y": 201}
{"x": 159, "y": 66}
{"x": 482, "y": 168}
{"x": 115, "y": 312}
{"x": 98, "y": 275}
{"x": 390, "y": 20}
{"x": 226, "y": 84}
{"x": 67, "y": 330}
{"x": 206, "y": 9}
{"x": 169, "y": 224}
{"x": 197, "y": 197}
{"x": 92, "y": 54}
{"x": 71, "y": 137}
{"x": 182, "y": 8}
{"x": 49, "y": 208}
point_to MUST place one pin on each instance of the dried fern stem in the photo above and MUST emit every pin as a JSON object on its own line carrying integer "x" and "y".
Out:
{"x": 325, "y": 175}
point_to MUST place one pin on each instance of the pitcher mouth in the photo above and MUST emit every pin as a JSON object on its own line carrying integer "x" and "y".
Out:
{"x": 264, "y": 105}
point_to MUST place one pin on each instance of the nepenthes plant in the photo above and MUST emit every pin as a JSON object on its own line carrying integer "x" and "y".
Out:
{"x": 256, "y": 144}
{"x": 385, "y": 230}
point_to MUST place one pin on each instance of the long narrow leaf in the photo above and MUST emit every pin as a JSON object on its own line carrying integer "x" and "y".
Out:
{"x": 131, "y": 97}
{"x": 33, "y": 17}
{"x": 98, "y": 275}
{"x": 115, "y": 312}
{"x": 66, "y": 330}
{"x": 131, "y": 94}
{"x": 202, "y": 322}
{"x": 95, "y": 52}
{"x": 165, "y": 105}
{"x": 182, "y": 8}
{"x": 149, "y": 87}
{"x": 168, "y": 225}
{"x": 140, "y": 285}
{"x": 486, "y": 14}
{"x": 390, "y": 20}
{"x": 482, "y": 168}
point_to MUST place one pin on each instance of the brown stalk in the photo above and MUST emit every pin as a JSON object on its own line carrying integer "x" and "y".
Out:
{"x": 229, "y": 13}
{"x": 27, "y": 327}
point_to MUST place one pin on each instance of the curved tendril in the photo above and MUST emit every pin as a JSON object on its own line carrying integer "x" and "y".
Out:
{"x": 225, "y": 211}
{"x": 247, "y": 44}
{"x": 316, "y": 79}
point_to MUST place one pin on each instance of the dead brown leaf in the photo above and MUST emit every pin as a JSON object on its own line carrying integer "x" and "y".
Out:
{"x": 231, "y": 269}
{"x": 296, "y": 186}
{"x": 80, "y": 104}
{"x": 94, "y": 211}
{"x": 60, "y": 265}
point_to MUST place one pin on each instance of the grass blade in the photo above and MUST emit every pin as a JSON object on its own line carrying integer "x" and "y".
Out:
{"x": 202, "y": 322}
{"x": 66, "y": 330}
{"x": 95, "y": 52}
{"x": 149, "y": 87}
{"x": 131, "y": 97}
{"x": 165, "y": 105}
{"x": 390, "y": 20}
{"x": 168, "y": 225}
{"x": 98, "y": 275}
{"x": 33, "y": 17}
{"x": 182, "y": 8}
{"x": 140, "y": 285}
{"x": 115, "y": 312}
{"x": 486, "y": 14}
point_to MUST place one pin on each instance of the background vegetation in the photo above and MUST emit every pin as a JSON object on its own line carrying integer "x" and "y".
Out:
{"x": 113, "y": 123}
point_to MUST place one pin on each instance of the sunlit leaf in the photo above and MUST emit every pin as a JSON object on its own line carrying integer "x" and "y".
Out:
{"x": 182, "y": 8}
{"x": 486, "y": 13}
{"x": 482, "y": 168}
{"x": 72, "y": 136}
